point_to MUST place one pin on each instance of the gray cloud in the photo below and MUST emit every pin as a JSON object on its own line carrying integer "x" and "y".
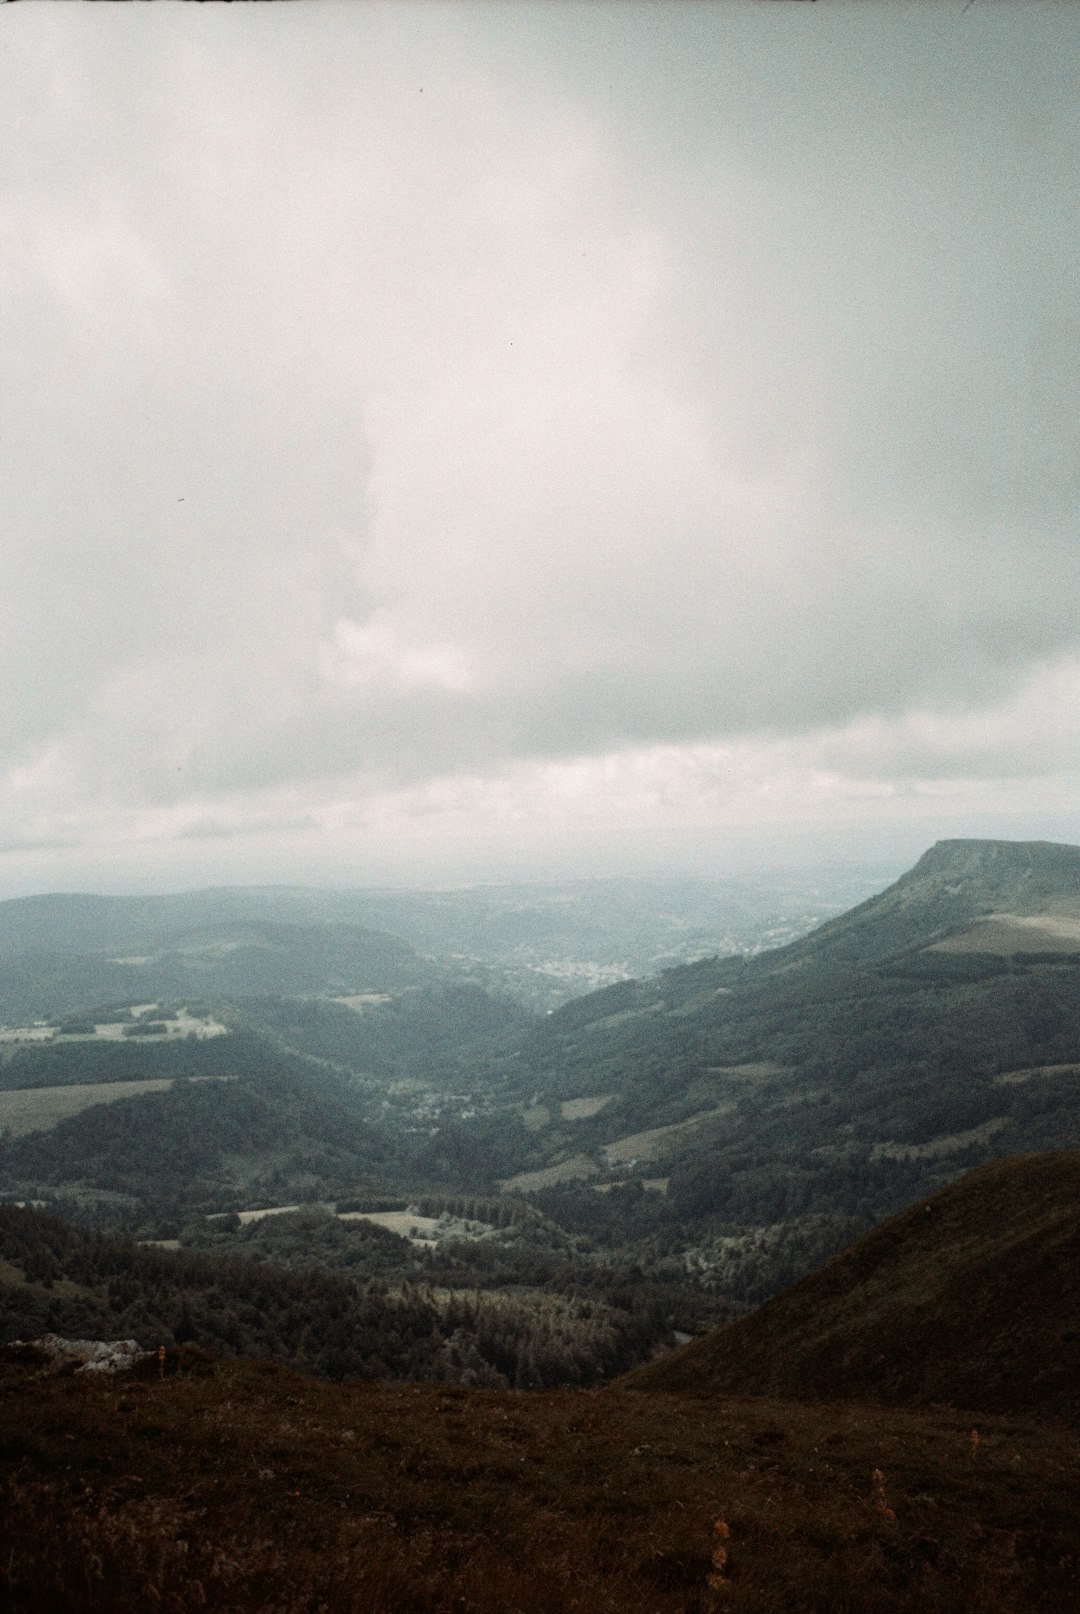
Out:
{"x": 401, "y": 395}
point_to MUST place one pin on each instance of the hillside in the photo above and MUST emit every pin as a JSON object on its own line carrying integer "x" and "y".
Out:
{"x": 240, "y": 1486}
{"x": 970, "y": 1299}
{"x": 932, "y": 1028}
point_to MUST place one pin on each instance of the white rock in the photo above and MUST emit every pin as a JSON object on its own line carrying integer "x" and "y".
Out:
{"x": 92, "y": 1355}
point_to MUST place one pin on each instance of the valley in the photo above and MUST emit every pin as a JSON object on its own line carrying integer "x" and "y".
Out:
{"x": 748, "y": 1284}
{"x": 708, "y": 1133}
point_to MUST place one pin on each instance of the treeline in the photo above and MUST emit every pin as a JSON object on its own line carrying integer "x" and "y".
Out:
{"x": 87, "y": 1285}
{"x": 70, "y": 1064}
{"x": 535, "y": 1255}
{"x": 275, "y": 1130}
{"x": 493, "y": 1209}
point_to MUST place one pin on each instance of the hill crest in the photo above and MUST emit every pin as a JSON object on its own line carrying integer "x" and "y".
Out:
{"x": 953, "y": 889}
{"x": 970, "y": 1298}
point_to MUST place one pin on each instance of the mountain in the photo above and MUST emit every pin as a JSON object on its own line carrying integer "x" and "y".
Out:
{"x": 998, "y": 897}
{"x": 930, "y": 1029}
{"x": 970, "y": 1299}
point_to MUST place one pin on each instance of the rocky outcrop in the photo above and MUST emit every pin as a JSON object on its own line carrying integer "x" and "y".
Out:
{"x": 86, "y": 1355}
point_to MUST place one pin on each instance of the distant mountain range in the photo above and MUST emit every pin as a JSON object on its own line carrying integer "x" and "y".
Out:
{"x": 539, "y": 944}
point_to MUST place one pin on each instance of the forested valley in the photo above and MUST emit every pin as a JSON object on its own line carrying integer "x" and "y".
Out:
{"x": 599, "y": 1180}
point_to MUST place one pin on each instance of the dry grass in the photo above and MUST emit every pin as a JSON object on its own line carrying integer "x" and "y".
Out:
{"x": 406, "y": 1224}
{"x": 243, "y": 1487}
{"x": 658, "y": 1140}
{"x": 583, "y": 1109}
{"x": 1007, "y": 934}
{"x": 527, "y": 1182}
{"x": 947, "y": 1143}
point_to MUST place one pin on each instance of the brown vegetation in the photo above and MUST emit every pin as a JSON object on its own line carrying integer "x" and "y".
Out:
{"x": 971, "y": 1298}
{"x": 243, "y": 1487}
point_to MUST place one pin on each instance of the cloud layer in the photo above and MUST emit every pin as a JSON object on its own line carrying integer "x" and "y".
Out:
{"x": 516, "y": 421}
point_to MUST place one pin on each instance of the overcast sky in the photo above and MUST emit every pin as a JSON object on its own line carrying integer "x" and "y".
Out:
{"x": 444, "y": 443}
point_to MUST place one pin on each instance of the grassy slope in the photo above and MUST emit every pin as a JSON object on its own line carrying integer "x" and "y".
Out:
{"x": 971, "y": 1298}
{"x": 242, "y": 1487}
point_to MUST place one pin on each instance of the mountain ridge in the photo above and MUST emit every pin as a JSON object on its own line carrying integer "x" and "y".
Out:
{"x": 970, "y": 1298}
{"x": 953, "y": 883}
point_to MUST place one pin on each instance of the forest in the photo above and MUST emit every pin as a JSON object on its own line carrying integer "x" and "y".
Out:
{"x": 83, "y": 1284}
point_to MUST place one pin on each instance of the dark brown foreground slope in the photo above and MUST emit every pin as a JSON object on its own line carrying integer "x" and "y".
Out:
{"x": 969, "y": 1299}
{"x": 242, "y": 1487}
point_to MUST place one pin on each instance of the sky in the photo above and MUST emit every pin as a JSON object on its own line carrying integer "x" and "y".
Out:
{"x": 448, "y": 442}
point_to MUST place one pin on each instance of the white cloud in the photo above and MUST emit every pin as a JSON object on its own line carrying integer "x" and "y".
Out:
{"x": 372, "y": 656}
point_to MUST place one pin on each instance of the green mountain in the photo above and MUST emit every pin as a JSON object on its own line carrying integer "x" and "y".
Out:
{"x": 931, "y": 1028}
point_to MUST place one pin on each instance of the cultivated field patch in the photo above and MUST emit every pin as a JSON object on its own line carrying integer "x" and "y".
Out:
{"x": 582, "y": 1109}
{"x": 1006, "y": 933}
{"x": 1014, "y": 1078}
{"x": 363, "y": 1002}
{"x": 39, "y": 1109}
{"x": 759, "y": 1071}
{"x": 937, "y": 1147}
{"x": 527, "y": 1182}
{"x": 649, "y": 1145}
{"x": 406, "y": 1224}
{"x": 181, "y": 1024}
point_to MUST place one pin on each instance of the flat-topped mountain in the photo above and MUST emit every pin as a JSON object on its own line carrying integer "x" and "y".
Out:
{"x": 979, "y": 896}
{"x": 970, "y": 1299}
{"x": 930, "y": 1029}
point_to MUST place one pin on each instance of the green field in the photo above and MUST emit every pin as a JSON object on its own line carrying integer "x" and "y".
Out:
{"x": 37, "y": 1109}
